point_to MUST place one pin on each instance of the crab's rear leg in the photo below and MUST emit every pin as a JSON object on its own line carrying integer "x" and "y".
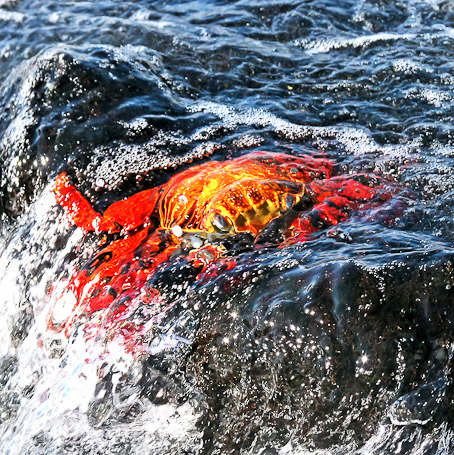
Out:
{"x": 116, "y": 274}
{"x": 125, "y": 215}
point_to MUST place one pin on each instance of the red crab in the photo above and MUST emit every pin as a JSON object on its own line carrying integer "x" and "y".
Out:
{"x": 213, "y": 200}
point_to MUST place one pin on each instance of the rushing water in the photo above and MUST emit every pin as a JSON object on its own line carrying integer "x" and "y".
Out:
{"x": 339, "y": 345}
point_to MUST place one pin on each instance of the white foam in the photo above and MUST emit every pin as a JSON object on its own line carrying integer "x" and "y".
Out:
{"x": 441, "y": 439}
{"x": 134, "y": 55}
{"x": 328, "y": 44}
{"x": 435, "y": 97}
{"x": 11, "y": 16}
{"x": 140, "y": 159}
{"x": 407, "y": 66}
{"x": 324, "y": 45}
{"x": 356, "y": 141}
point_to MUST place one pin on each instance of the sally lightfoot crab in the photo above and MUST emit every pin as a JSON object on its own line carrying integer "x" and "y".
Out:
{"x": 188, "y": 215}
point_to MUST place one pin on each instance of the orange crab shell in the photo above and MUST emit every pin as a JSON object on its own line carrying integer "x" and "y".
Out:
{"x": 249, "y": 205}
{"x": 242, "y": 195}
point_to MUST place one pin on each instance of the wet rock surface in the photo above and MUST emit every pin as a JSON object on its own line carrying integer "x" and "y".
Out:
{"x": 340, "y": 345}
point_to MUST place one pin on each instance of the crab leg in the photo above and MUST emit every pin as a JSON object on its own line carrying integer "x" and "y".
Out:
{"x": 121, "y": 215}
{"x": 330, "y": 210}
{"x": 78, "y": 208}
{"x": 116, "y": 275}
{"x": 348, "y": 187}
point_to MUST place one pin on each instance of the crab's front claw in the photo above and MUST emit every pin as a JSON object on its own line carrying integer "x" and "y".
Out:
{"x": 125, "y": 215}
{"x": 135, "y": 211}
{"x": 79, "y": 209}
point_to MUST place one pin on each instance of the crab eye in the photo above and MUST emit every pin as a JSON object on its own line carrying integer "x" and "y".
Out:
{"x": 294, "y": 171}
{"x": 221, "y": 223}
{"x": 287, "y": 202}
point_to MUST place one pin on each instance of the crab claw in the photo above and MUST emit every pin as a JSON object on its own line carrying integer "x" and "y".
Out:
{"x": 124, "y": 215}
{"x": 79, "y": 209}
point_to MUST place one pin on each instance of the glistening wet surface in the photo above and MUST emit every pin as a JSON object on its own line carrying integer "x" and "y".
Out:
{"x": 341, "y": 344}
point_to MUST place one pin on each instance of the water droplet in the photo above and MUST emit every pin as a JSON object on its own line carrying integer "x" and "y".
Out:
{"x": 177, "y": 231}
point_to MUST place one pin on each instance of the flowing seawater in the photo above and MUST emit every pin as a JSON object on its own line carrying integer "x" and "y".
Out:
{"x": 339, "y": 345}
